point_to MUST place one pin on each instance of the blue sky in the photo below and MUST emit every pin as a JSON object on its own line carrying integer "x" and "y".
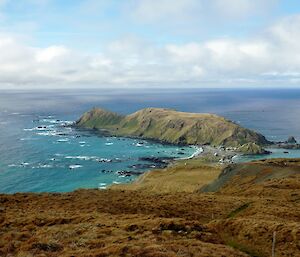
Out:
{"x": 136, "y": 43}
{"x": 98, "y": 22}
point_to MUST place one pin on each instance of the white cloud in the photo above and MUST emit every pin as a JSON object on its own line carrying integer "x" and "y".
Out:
{"x": 183, "y": 11}
{"x": 273, "y": 57}
{"x": 51, "y": 53}
{"x": 242, "y": 8}
{"x": 162, "y": 10}
{"x": 187, "y": 53}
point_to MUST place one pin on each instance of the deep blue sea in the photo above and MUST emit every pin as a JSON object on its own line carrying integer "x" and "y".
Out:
{"x": 40, "y": 153}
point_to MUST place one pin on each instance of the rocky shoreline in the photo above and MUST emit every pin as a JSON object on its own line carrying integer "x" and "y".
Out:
{"x": 221, "y": 155}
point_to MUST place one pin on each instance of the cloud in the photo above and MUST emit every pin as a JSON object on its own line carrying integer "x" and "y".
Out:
{"x": 242, "y": 8}
{"x": 272, "y": 57}
{"x": 48, "y": 54}
{"x": 184, "y": 11}
{"x": 157, "y": 11}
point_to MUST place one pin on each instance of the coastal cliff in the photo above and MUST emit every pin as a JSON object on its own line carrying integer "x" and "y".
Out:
{"x": 170, "y": 126}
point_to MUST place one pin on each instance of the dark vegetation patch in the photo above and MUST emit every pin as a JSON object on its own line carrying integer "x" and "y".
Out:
{"x": 238, "y": 210}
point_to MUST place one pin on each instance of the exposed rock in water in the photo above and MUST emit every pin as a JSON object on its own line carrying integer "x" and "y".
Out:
{"x": 291, "y": 143}
{"x": 141, "y": 166}
{"x": 127, "y": 173}
{"x": 171, "y": 126}
{"x": 291, "y": 140}
{"x": 158, "y": 160}
{"x": 154, "y": 162}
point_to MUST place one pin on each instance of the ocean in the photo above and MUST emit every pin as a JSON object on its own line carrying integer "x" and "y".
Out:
{"x": 39, "y": 152}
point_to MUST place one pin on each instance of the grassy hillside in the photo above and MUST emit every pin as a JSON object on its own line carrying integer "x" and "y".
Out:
{"x": 183, "y": 176}
{"x": 173, "y": 127}
{"x": 237, "y": 219}
{"x": 255, "y": 177}
{"x": 95, "y": 117}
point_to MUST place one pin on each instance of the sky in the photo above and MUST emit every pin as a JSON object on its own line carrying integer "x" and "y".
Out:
{"x": 149, "y": 43}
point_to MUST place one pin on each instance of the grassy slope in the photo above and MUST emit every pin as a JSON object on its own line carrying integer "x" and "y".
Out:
{"x": 237, "y": 220}
{"x": 98, "y": 116}
{"x": 247, "y": 178}
{"x": 184, "y": 176}
{"x": 173, "y": 127}
{"x": 113, "y": 223}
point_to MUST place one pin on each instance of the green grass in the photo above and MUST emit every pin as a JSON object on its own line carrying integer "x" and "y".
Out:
{"x": 171, "y": 126}
{"x": 238, "y": 210}
{"x": 243, "y": 248}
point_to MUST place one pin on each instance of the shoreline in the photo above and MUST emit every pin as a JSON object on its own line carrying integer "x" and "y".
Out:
{"x": 198, "y": 151}
{"x": 202, "y": 159}
{"x": 218, "y": 155}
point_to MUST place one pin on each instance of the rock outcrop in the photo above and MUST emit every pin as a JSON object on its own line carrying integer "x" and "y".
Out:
{"x": 252, "y": 148}
{"x": 291, "y": 140}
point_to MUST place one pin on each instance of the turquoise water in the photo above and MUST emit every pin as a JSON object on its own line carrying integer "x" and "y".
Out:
{"x": 58, "y": 158}
{"x": 45, "y": 154}
{"x": 275, "y": 153}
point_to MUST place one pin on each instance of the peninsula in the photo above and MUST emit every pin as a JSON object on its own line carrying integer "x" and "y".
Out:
{"x": 170, "y": 126}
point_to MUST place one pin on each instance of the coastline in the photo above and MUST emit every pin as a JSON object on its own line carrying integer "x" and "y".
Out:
{"x": 203, "y": 158}
{"x": 218, "y": 155}
{"x": 162, "y": 210}
{"x": 198, "y": 151}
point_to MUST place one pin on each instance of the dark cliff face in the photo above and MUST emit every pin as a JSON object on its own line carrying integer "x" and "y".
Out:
{"x": 172, "y": 127}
